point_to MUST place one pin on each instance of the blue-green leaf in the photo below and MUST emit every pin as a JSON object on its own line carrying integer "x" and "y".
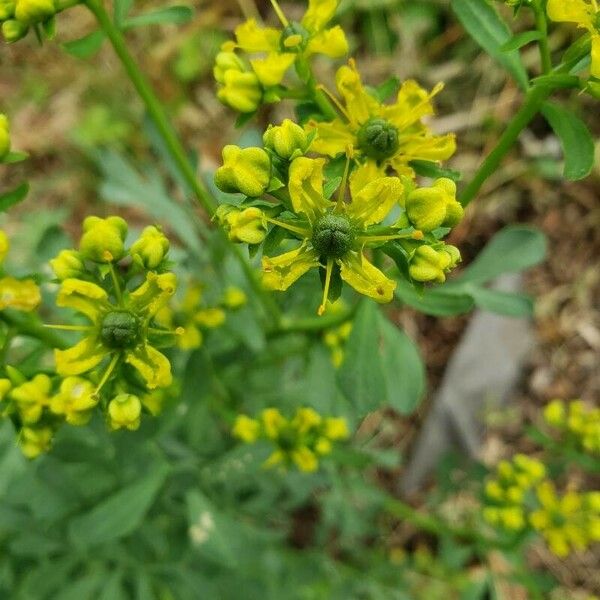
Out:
{"x": 520, "y": 40}
{"x": 486, "y": 27}
{"x": 86, "y": 46}
{"x": 435, "y": 301}
{"x": 576, "y": 141}
{"x": 177, "y": 15}
{"x": 9, "y": 199}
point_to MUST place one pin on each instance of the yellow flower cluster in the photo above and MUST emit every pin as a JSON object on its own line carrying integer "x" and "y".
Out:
{"x": 194, "y": 317}
{"x": 521, "y": 498}
{"x": 300, "y": 440}
{"x": 18, "y": 294}
{"x": 17, "y": 17}
{"x": 507, "y": 492}
{"x": 577, "y": 422}
{"x": 268, "y": 53}
{"x": 569, "y": 522}
{"x": 328, "y": 212}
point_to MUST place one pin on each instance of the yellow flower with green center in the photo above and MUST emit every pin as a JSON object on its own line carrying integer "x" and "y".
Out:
{"x": 298, "y": 441}
{"x": 119, "y": 328}
{"x": 19, "y": 294}
{"x": 586, "y": 14}
{"x": 281, "y": 48}
{"x": 333, "y": 233}
{"x": 387, "y": 135}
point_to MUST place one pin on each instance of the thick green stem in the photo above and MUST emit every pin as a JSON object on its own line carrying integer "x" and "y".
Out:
{"x": 532, "y": 105}
{"x": 173, "y": 144}
{"x": 25, "y": 325}
{"x": 541, "y": 24}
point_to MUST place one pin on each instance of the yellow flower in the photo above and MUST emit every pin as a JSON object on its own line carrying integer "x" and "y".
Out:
{"x": 4, "y": 137}
{"x": 34, "y": 441}
{"x": 74, "y": 400}
{"x": 151, "y": 247}
{"x": 333, "y": 234}
{"x": 305, "y": 459}
{"x": 120, "y": 330}
{"x": 280, "y": 48}
{"x": 234, "y": 298}
{"x": 246, "y": 225}
{"x": 19, "y": 294}
{"x": 272, "y": 422}
{"x": 336, "y": 428}
{"x": 246, "y": 429}
{"x": 429, "y": 264}
{"x": 124, "y": 412}
{"x": 32, "y": 397}
{"x": 103, "y": 239}
{"x": 433, "y": 207}
{"x": 554, "y": 413}
{"x": 387, "y": 135}
{"x": 513, "y": 518}
{"x": 30, "y": 12}
{"x": 586, "y": 14}
{"x": 306, "y": 419}
{"x": 14, "y": 30}
{"x": 68, "y": 264}
{"x": 287, "y": 140}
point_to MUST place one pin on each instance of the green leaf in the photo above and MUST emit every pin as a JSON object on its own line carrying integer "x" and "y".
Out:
{"x": 514, "y": 249}
{"x": 575, "y": 139}
{"x": 520, "y": 40}
{"x": 121, "y": 10}
{"x": 9, "y": 199}
{"x": 403, "y": 368}
{"x": 120, "y": 514}
{"x": 486, "y": 27}
{"x": 361, "y": 375}
{"x": 426, "y": 168}
{"x": 436, "y": 301}
{"x": 387, "y": 89}
{"x": 112, "y": 589}
{"x": 502, "y": 303}
{"x": 177, "y": 15}
{"x": 85, "y": 47}
{"x": 14, "y": 157}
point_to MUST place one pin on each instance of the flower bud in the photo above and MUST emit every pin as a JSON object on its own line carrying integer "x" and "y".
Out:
{"x": 234, "y": 298}
{"x": 103, "y": 239}
{"x": 555, "y": 413}
{"x": 151, "y": 247}
{"x": 247, "y": 171}
{"x": 30, "y": 12}
{"x": 4, "y": 246}
{"x": 13, "y": 31}
{"x": 287, "y": 140}
{"x": 243, "y": 226}
{"x": 428, "y": 264}
{"x": 124, "y": 411}
{"x": 246, "y": 429}
{"x": 67, "y": 264}
{"x": 34, "y": 441}
{"x": 227, "y": 61}
{"x": 437, "y": 206}
{"x": 4, "y": 137}
{"x": 241, "y": 91}
{"x": 7, "y": 9}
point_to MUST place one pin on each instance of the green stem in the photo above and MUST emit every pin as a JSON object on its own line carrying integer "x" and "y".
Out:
{"x": 173, "y": 144}
{"x": 541, "y": 24}
{"x": 25, "y": 325}
{"x": 532, "y": 105}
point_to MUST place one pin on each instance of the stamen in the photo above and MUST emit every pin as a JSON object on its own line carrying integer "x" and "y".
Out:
{"x": 328, "y": 272}
{"x": 344, "y": 184}
{"x": 279, "y": 13}
{"x": 69, "y": 327}
{"x": 303, "y": 232}
{"x": 107, "y": 374}
{"x": 337, "y": 103}
{"x": 116, "y": 285}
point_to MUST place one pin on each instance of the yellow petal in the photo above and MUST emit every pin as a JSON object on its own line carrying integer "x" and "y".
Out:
{"x": 20, "y": 295}
{"x": 332, "y": 138}
{"x": 152, "y": 365}
{"x": 272, "y": 69}
{"x": 306, "y": 187}
{"x": 191, "y": 338}
{"x": 83, "y": 296}
{"x": 595, "y": 66}
{"x": 363, "y": 175}
{"x": 331, "y": 42}
{"x": 373, "y": 203}
{"x": 318, "y": 14}
{"x": 412, "y": 104}
{"x": 571, "y": 11}
{"x": 281, "y": 271}
{"x": 366, "y": 278}
{"x": 305, "y": 459}
{"x": 82, "y": 357}
{"x": 153, "y": 294}
{"x": 359, "y": 104}
{"x": 252, "y": 38}
{"x": 210, "y": 317}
